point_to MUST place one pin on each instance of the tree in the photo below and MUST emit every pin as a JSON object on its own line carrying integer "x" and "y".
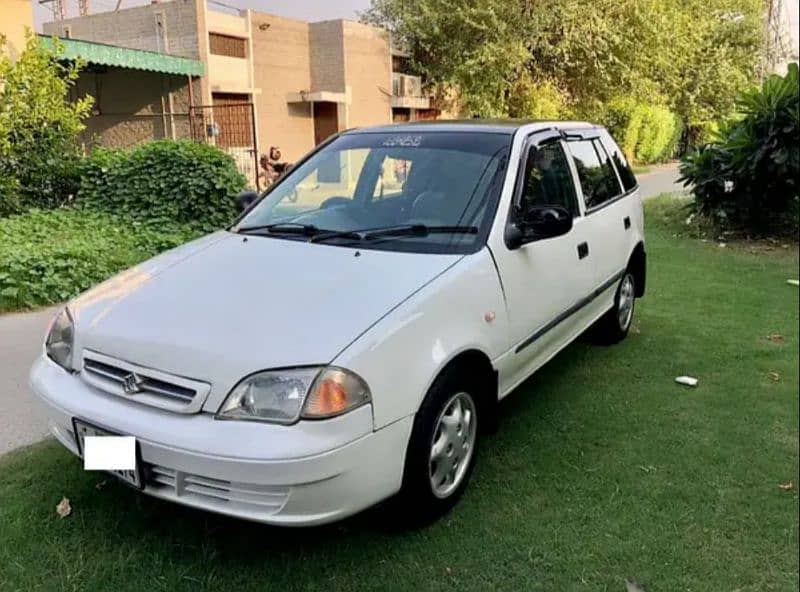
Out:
{"x": 507, "y": 57}
{"x": 39, "y": 128}
{"x": 471, "y": 45}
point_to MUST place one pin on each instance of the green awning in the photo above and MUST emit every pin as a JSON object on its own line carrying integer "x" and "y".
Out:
{"x": 123, "y": 57}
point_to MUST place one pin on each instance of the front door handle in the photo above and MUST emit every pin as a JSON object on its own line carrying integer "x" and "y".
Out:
{"x": 583, "y": 250}
{"x": 627, "y": 222}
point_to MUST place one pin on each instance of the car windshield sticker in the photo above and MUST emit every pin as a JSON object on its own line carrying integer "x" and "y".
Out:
{"x": 404, "y": 141}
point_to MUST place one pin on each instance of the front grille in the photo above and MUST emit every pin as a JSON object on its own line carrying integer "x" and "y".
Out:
{"x": 152, "y": 387}
{"x": 215, "y": 494}
{"x": 147, "y": 384}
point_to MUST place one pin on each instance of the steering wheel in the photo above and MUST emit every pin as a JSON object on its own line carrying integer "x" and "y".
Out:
{"x": 333, "y": 202}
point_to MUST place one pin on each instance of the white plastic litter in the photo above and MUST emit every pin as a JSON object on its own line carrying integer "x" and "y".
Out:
{"x": 686, "y": 380}
{"x": 793, "y": 282}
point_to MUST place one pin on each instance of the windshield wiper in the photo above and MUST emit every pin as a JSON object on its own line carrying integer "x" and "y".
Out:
{"x": 418, "y": 230}
{"x": 351, "y": 234}
{"x": 282, "y": 228}
{"x": 394, "y": 231}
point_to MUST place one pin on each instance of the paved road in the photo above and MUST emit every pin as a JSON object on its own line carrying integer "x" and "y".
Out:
{"x": 22, "y": 421}
{"x": 660, "y": 179}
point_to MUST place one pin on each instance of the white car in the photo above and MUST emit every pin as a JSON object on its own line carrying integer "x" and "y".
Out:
{"x": 348, "y": 339}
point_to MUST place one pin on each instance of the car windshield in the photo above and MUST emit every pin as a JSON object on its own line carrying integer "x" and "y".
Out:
{"x": 420, "y": 191}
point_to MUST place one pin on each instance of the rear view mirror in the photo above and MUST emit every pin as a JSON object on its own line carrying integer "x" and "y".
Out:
{"x": 539, "y": 223}
{"x": 246, "y": 199}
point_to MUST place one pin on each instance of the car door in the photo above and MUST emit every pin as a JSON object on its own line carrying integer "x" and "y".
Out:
{"x": 544, "y": 281}
{"x": 607, "y": 209}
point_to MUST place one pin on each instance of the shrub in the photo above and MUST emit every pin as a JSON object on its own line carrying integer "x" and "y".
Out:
{"x": 165, "y": 181}
{"x": 51, "y": 256}
{"x": 39, "y": 129}
{"x": 647, "y": 133}
{"x": 748, "y": 179}
{"x": 9, "y": 196}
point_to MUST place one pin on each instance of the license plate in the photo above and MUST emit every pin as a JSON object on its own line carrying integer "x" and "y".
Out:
{"x": 83, "y": 429}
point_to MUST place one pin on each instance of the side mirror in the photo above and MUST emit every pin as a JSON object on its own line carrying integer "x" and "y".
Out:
{"x": 538, "y": 224}
{"x": 246, "y": 199}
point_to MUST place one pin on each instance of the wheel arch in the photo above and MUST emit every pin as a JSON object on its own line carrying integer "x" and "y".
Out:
{"x": 637, "y": 264}
{"x": 478, "y": 366}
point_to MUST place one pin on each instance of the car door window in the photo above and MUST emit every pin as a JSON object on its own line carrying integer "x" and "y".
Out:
{"x": 597, "y": 176}
{"x": 547, "y": 180}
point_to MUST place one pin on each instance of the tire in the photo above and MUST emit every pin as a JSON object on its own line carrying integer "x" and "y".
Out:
{"x": 420, "y": 500}
{"x": 613, "y": 326}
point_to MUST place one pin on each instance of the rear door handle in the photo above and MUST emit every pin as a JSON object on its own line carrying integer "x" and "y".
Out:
{"x": 627, "y": 222}
{"x": 583, "y": 250}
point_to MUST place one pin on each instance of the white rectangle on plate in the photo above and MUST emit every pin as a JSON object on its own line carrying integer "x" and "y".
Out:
{"x": 109, "y": 453}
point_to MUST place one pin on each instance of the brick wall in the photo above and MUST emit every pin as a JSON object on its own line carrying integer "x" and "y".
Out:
{"x": 327, "y": 56}
{"x": 128, "y": 107}
{"x": 137, "y": 28}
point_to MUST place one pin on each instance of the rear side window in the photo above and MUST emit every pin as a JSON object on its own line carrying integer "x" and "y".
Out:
{"x": 597, "y": 176}
{"x": 623, "y": 168}
{"x": 548, "y": 180}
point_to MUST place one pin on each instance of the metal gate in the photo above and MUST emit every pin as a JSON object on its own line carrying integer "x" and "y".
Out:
{"x": 231, "y": 126}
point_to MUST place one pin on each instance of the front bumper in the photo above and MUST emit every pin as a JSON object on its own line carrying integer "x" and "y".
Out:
{"x": 310, "y": 473}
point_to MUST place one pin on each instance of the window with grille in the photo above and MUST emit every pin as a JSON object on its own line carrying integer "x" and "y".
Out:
{"x": 226, "y": 45}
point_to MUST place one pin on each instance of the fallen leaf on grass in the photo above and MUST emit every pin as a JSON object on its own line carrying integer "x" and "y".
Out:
{"x": 786, "y": 486}
{"x": 775, "y": 338}
{"x": 100, "y": 484}
{"x": 63, "y": 508}
{"x": 774, "y": 376}
{"x": 634, "y": 586}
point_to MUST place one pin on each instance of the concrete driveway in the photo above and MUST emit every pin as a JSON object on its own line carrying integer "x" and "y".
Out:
{"x": 21, "y": 419}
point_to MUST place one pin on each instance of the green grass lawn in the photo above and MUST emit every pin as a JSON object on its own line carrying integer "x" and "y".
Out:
{"x": 603, "y": 469}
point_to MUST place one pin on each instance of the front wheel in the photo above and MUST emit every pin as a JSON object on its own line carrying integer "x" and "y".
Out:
{"x": 613, "y": 327}
{"x": 441, "y": 451}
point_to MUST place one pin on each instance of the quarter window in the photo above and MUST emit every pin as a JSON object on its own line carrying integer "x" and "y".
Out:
{"x": 623, "y": 168}
{"x": 548, "y": 180}
{"x": 597, "y": 176}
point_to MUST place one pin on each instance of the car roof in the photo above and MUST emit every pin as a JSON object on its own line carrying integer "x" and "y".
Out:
{"x": 494, "y": 126}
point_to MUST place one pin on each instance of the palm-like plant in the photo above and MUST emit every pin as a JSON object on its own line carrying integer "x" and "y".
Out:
{"x": 749, "y": 177}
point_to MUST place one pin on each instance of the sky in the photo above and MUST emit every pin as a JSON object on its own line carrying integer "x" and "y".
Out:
{"x": 309, "y": 10}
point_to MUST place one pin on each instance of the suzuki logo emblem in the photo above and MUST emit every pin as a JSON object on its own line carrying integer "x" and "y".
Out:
{"x": 132, "y": 384}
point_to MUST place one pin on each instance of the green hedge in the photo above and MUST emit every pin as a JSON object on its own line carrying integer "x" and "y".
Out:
{"x": 646, "y": 133}
{"x": 51, "y": 256}
{"x": 165, "y": 181}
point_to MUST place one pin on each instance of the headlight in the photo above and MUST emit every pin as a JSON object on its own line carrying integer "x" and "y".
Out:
{"x": 58, "y": 344}
{"x": 283, "y": 396}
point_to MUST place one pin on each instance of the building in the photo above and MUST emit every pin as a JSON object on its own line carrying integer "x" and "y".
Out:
{"x": 15, "y": 17}
{"x": 783, "y": 34}
{"x": 266, "y": 80}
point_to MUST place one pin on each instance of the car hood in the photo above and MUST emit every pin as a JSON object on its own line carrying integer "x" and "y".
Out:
{"x": 225, "y": 306}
